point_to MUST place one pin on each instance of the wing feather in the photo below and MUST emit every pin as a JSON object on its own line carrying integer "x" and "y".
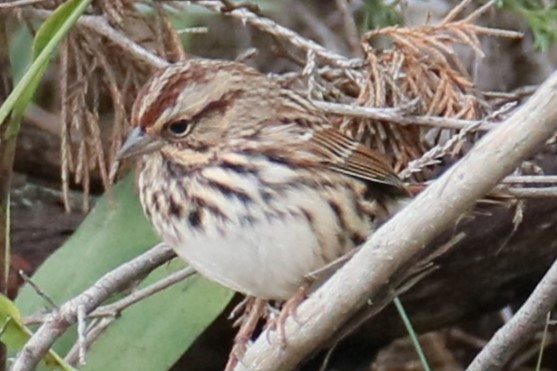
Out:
{"x": 347, "y": 156}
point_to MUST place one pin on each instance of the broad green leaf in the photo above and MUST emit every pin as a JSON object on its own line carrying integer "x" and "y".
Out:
{"x": 14, "y": 334}
{"x": 114, "y": 232}
{"x": 49, "y": 35}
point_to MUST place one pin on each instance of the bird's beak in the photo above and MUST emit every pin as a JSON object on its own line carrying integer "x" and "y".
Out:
{"x": 138, "y": 143}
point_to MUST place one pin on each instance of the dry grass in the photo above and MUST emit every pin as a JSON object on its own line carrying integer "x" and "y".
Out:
{"x": 97, "y": 85}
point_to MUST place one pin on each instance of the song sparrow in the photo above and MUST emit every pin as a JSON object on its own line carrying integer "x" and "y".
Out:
{"x": 248, "y": 181}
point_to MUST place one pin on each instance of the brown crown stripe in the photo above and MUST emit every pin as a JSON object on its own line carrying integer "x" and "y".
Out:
{"x": 166, "y": 96}
{"x": 163, "y": 92}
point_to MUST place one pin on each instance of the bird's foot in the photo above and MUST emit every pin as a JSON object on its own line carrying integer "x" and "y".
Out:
{"x": 253, "y": 309}
{"x": 289, "y": 309}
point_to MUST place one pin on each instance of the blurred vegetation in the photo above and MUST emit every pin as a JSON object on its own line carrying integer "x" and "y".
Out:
{"x": 541, "y": 17}
{"x": 380, "y": 13}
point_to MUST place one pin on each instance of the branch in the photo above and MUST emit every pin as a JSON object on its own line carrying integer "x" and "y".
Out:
{"x": 19, "y": 3}
{"x": 100, "y": 25}
{"x": 114, "y": 309}
{"x": 110, "y": 312}
{"x": 408, "y": 232}
{"x": 531, "y": 192}
{"x": 395, "y": 115}
{"x": 530, "y": 179}
{"x": 59, "y": 321}
{"x": 269, "y": 26}
{"x": 529, "y": 319}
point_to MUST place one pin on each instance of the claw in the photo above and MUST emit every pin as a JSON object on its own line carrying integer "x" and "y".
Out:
{"x": 289, "y": 309}
{"x": 253, "y": 311}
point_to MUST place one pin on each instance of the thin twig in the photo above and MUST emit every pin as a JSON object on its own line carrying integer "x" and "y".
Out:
{"x": 100, "y": 25}
{"x": 93, "y": 332}
{"x": 433, "y": 155}
{"x": 108, "y": 314}
{"x": 530, "y": 179}
{"x": 542, "y": 192}
{"x": 117, "y": 307}
{"x": 37, "y": 289}
{"x": 544, "y": 342}
{"x": 195, "y": 30}
{"x": 269, "y": 26}
{"x": 81, "y": 334}
{"x": 114, "y": 309}
{"x": 394, "y": 115}
{"x": 59, "y": 321}
{"x": 19, "y": 3}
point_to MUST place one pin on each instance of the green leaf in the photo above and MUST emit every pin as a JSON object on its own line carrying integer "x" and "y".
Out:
{"x": 14, "y": 334}
{"x": 49, "y": 35}
{"x": 114, "y": 232}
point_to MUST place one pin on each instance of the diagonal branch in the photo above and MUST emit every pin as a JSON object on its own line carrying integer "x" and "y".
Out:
{"x": 269, "y": 26}
{"x": 100, "y": 25}
{"x": 408, "y": 232}
{"x": 530, "y": 318}
{"x": 59, "y": 321}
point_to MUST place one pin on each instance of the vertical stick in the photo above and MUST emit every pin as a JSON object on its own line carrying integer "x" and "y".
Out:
{"x": 7, "y": 151}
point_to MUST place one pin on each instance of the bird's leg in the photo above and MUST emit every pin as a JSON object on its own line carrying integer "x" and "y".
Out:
{"x": 253, "y": 309}
{"x": 238, "y": 313}
{"x": 288, "y": 309}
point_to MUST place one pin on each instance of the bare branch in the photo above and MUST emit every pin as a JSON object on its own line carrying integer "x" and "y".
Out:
{"x": 118, "y": 306}
{"x": 543, "y": 192}
{"x": 59, "y": 321}
{"x": 433, "y": 155}
{"x": 105, "y": 315}
{"x": 398, "y": 240}
{"x": 101, "y": 26}
{"x": 269, "y": 26}
{"x": 530, "y": 179}
{"x": 530, "y": 318}
{"x": 109, "y": 313}
{"x": 81, "y": 334}
{"x": 37, "y": 289}
{"x": 395, "y": 115}
{"x": 19, "y": 3}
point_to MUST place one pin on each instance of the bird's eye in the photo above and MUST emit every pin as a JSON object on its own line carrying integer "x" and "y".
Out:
{"x": 179, "y": 128}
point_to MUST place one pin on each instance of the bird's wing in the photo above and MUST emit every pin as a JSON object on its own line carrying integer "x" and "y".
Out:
{"x": 344, "y": 155}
